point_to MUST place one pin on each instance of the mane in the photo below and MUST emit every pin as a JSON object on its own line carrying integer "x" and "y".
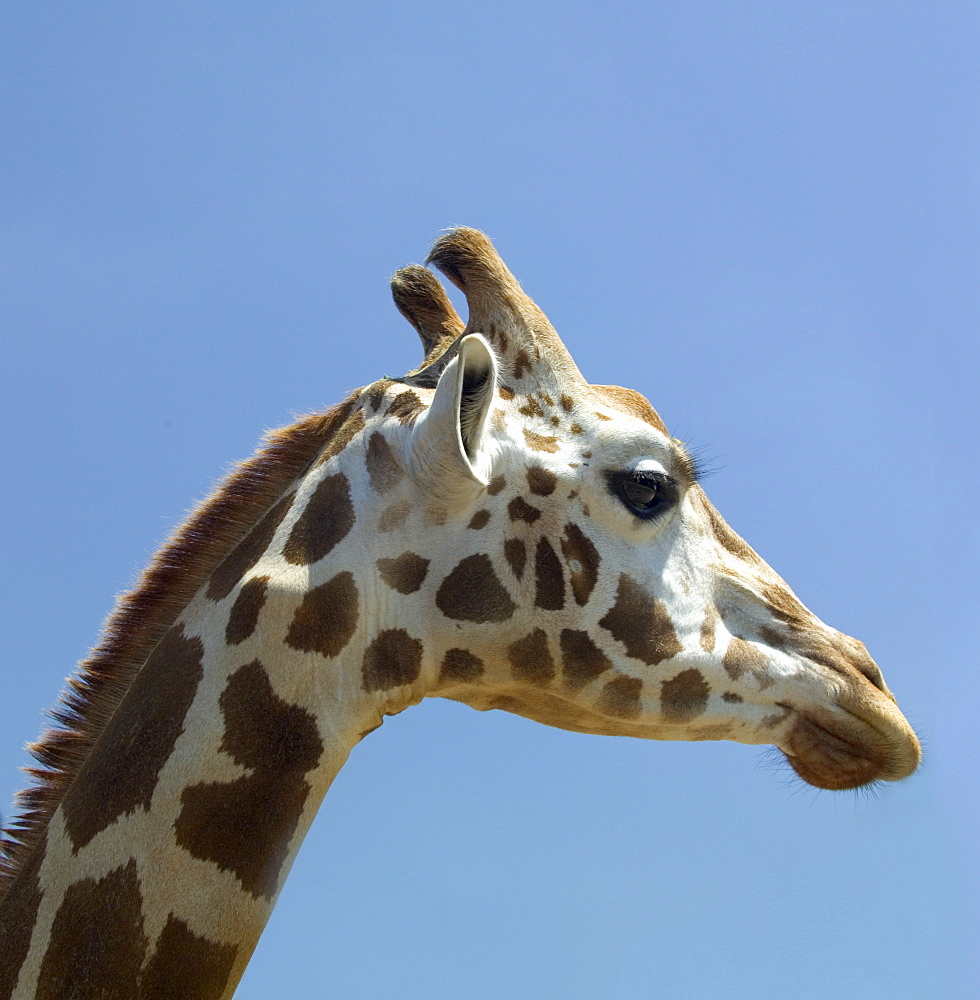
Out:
{"x": 142, "y": 617}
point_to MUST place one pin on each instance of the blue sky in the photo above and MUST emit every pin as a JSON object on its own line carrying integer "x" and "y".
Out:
{"x": 763, "y": 216}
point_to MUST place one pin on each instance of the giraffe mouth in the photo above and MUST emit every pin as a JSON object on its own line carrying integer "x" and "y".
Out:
{"x": 840, "y": 751}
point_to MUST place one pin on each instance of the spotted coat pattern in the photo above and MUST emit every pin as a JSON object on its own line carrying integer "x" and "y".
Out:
{"x": 464, "y": 532}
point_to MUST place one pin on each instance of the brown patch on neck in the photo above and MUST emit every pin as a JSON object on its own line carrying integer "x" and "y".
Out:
{"x": 17, "y": 917}
{"x": 97, "y": 942}
{"x": 120, "y": 773}
{"x": 245, "y": 826}
{"x": 185, "y": 964}
{"x": 144, "y": 615}
{"x": 343, "y": 437}
{"x": 406, "y": 406}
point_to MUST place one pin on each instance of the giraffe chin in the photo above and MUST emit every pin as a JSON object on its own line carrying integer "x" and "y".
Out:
{"x": 841, "y": 752}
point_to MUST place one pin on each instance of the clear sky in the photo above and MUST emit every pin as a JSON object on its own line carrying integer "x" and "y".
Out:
{"x": 762, "y": 215}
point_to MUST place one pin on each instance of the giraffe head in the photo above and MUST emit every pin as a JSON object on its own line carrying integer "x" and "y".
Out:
{"x": 565, "y": 565}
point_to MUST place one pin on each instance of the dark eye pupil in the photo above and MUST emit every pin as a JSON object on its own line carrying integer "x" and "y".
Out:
{"x": 640, "y": 492}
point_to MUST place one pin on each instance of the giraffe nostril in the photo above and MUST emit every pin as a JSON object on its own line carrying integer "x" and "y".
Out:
{"x": 858, "y": 656}
{"x": 837, "y": 652}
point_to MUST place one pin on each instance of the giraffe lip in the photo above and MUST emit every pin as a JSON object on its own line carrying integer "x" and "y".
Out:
{"x": 844, "y": 749}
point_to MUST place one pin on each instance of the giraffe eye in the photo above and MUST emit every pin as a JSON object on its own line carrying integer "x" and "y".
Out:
{"x": 645, "y": 490}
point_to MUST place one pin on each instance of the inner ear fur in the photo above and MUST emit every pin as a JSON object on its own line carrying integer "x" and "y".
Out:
{"x": 449, "y": 445}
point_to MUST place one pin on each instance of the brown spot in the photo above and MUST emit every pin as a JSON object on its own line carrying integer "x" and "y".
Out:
{"x": 582, "y": 559}
{"x": 392, "y": 659}
{"x": 326, "y": 519}
{"x": 530, "y": 658}
{"x": 742, "y": 656}
{"x": 374, "y": 395}
{"x": 479, "y": 520}
{"x": 436, "y": 514}
{"x": 496, "y": 485}
{"x": 406, "y": 406}
{"x": 248, "y": 552}
{"x": 460, "y": 665}
{"x": 684, "y": 697}
{"x": 497, "y": 419}
{"x": 504, "y": 393}
{"x": 581, "y": 659}
{"x": 17, "y": 916}
{"x": 732, "y": 698}
{"x": 327, "y": 618}
{"x": 708, "y": 627}
{"x": 549, "y": 581}
{"x": 541, "y": 442}
{"x": 472, "y": 592}
{"x": 245, "y": 611}
{"x": 394, "y": 516}
{"x": 97, "y": 942}
{"x": 547, "y": 399}
{"x": 515, "y": 553}
{"x": 245, "y": 826}
{"x": 641, "y": 623}
{"x": 404, "y": 574}
{"x": 518, "y": 510}
{"x": 522, "y": 364}
{"x": 621, "y": 697}
{"x": 383, "y": 467}
{"x": 567, "y": 403}
{"x": 555, "y": 421}
{"x": 185, "y": 964}
{"x": 121, "y": 771}
{"x": 531, "y": 407}
{"x": 541, "y": 481}
{"x": 602, "y": 416}
{"x": 576, "y": 429}
{"x": 343, "y": 437}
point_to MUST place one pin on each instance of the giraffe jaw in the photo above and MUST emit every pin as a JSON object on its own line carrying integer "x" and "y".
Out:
{"x": 850, "y": 747}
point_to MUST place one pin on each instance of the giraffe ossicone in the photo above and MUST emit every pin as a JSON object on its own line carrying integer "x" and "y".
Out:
{"x": 490, "y": 528}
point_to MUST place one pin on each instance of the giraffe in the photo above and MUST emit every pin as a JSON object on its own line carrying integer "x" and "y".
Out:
{"x": 490, "y": 528}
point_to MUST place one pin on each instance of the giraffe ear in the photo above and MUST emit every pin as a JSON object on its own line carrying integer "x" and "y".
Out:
{"x": 449, "y": 438}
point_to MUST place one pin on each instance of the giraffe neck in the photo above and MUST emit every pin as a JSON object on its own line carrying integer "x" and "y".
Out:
{"x": 160, "y": 866}
{"x": 184, "y": 875}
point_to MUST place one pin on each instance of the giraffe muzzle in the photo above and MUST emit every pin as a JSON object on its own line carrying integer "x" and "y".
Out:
{"x": 853, "y": 745}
